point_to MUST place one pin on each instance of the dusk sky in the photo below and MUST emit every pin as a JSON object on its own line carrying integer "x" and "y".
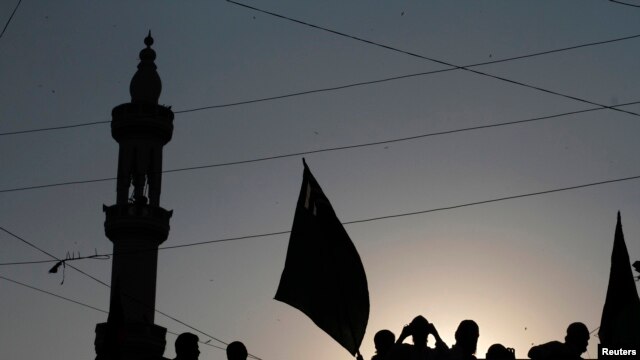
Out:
{"x": 522, "y": 268}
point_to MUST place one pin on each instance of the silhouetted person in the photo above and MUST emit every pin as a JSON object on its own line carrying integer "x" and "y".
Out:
{"x": 237, "y": 351}
{"x": 466, "y": 341}
{"x": 499, "y": 352}
{"x": 419, "y": 329}
{"x": 575, "y": 343}
{"x": 187, "y": 347}
{"x": 384, "y": 340}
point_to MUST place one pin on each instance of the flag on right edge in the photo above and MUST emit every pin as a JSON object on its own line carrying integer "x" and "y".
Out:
{"x": 620, "y": 323}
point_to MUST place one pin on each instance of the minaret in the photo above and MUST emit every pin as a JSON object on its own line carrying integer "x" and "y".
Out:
{"x": 137, "y": 224}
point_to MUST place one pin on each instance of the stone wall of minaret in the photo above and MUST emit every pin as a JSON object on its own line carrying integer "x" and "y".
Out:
{"x": 136, "y": 224}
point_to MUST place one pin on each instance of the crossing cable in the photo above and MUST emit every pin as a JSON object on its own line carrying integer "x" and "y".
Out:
{"x": 444, "y": 208}
{"x": 337, "y": 87}
{"x": 108, "y": 286}
{"x": 86, "y": 305}
{"x": 309, "y": 152}
{"x": 6, "y": 25}
{"x": 406, "y": 76}
{"x": 457, "y": 67}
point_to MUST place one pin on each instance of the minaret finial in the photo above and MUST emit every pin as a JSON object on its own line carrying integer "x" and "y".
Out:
{"x": 148, "y": 40}
{"x": 146, "y": 85}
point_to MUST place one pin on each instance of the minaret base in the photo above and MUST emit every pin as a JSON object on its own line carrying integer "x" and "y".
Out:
{"x": 136, "y": 341}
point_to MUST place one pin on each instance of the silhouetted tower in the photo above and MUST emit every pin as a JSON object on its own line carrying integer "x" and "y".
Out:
{"x": 137, "y": 224}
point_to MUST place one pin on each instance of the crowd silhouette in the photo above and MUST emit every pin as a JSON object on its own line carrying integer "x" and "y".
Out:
{"x": 186, "y": 346}
{"x": 389, "y": 348}
{"x": 466, "y": 341}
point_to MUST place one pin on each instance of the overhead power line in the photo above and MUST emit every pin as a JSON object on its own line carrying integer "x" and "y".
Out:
{"x": 371, "y": 82}
{"x": 544, "y": 192}
{"x": 86, "y": 305}
{"x": 45, "y": 261}
{"x": 54, "y": 295}
{"x": 412, "y": 213}
{"x": 308, "y": 152}
{"x": 453, "y": 66}
{"x": 109, "y": 286}
{"x": 6, "y": 25}
{"x": 337, "y": 87}
{"x": 624, "y": 3}
{"x": 61, "y": 127}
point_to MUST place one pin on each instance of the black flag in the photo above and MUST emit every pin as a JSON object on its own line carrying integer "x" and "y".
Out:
{"x": 620, "y": 323}
{"x": 323, "y": 276}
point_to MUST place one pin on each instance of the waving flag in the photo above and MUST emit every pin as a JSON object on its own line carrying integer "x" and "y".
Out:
{"x": 620, "y": 323}
{"x": 323, "y": 276}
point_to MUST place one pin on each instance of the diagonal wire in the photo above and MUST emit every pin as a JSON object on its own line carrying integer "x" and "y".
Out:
{"x": 6, "y": 25}
{"x": 371, "y": 82}
{"x": 85, "y": 305}
{"x": 107, "y": 285}
{"x": 53, "y": 294}
{"x": 624, "y": 3}
{"x": 337, "y": 148}
{"x": 497, "y": 199}
{"x": 337, "y": 87}
{"x": 388, "y": 47}
{"x": 27, "y": 131}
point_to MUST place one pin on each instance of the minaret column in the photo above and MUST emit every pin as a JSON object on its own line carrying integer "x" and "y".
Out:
{"x": 136, "y": 224}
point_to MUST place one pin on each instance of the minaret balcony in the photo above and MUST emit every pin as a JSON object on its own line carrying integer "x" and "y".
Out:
{"x": 137, "y": 221}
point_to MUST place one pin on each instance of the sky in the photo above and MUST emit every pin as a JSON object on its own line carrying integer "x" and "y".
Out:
{"x": 523, "y": 268}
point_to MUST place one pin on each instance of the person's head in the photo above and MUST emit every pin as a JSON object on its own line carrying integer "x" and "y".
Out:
{"x": 419, "y": 330}
{"x": 499, "y": 352}
{"x": 577, "y": 337}
{"x": 384, "y": 340}
{"x": 467, "y": 336}
{"x": 187, "y": 346}
{"x": 236, "y": 351}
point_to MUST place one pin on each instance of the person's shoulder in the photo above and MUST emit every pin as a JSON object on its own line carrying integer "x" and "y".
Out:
{"x": 550, "y": 345}
{"x": 399, "y": 349}
{"x": 547, "y": 350}
{"x": 556, "y": 345}
{"x": 455, "y": 354}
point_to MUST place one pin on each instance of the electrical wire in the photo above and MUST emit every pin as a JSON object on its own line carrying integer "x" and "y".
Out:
{"x": 497, "y": 199}
{"x": 451, "y": 207}
{"x": 17, "y": 132}
{"x": 624, "y": 3}
{"x": 85, "y": 305}
{"x": 6, "y": 25}
{"x": 337, "y": 87}
{"x": 388, "y": 47}
{"x": 54, "y": 295}
{"x": 308, "y": 152}
{"x": 371, "y": 82}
